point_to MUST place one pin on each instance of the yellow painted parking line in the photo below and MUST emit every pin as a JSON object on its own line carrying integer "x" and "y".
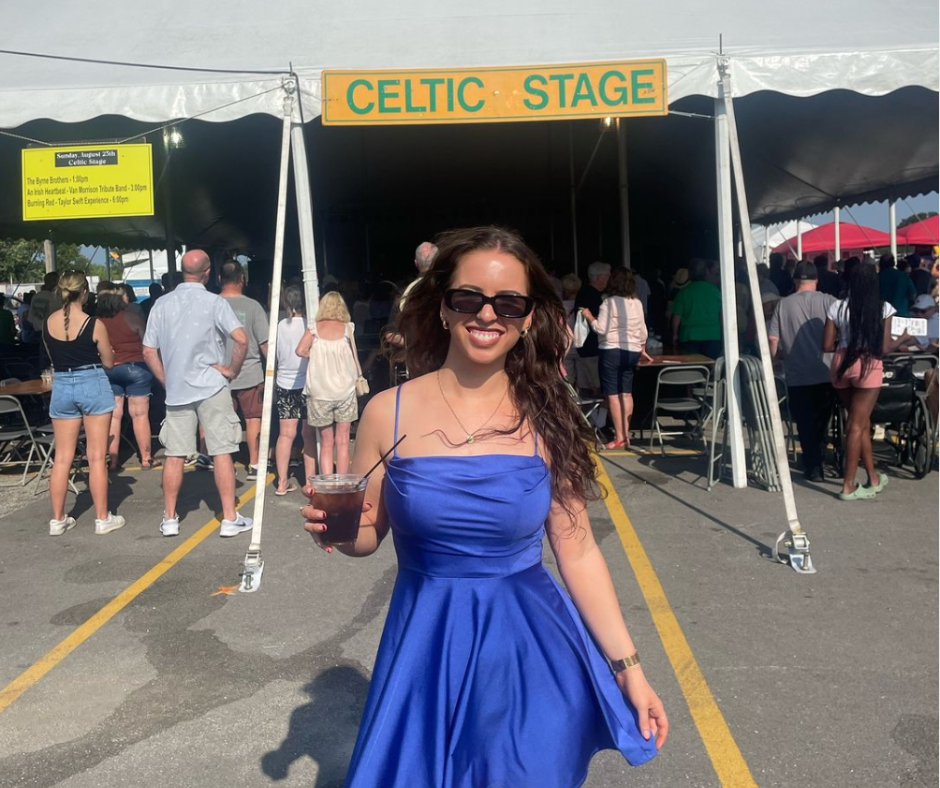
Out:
{"x": 35, "y": 672}
{"x": 638, "y": 452}
{"x": 723, "y": 751}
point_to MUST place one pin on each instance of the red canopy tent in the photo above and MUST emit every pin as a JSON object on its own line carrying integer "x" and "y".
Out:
{"x": 823, "y": 239}
{"x": 926, "y": 232}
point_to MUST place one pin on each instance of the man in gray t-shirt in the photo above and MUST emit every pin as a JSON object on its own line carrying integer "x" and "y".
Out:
{"x": 248, "y": 387}
{"x": 795, "y": 331}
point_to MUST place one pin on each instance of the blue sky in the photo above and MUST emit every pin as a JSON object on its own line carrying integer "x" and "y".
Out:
{"x": 876, "y": 214}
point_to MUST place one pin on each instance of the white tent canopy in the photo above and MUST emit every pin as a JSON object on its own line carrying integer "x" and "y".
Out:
{"x": 226, "y": 62}
{"x": 765, "y": 241}
{"x": 227, "y": 58}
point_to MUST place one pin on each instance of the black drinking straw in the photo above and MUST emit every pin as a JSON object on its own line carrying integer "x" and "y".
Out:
{"x": 383, "y": 457}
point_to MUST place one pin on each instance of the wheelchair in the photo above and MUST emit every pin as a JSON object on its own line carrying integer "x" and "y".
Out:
{"x": 902, "y": 410}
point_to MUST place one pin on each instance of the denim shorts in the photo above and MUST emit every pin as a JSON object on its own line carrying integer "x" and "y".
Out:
{"x": 616, "y": 370}
{"x": 84, "y": 392}
{"x": 130, "y": 380}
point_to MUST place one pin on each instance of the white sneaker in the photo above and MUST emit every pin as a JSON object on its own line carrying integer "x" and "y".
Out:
{"x": 111, "y": 523}
{"x": 234, "y": 527}
{"x": 59, "y": 527}
{"x": 170, "y": 525}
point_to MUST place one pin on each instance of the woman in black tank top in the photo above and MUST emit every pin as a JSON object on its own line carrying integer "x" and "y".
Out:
{"x": 81, "y": 396}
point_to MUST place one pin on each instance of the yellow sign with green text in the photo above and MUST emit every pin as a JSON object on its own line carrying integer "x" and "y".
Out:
{"x": 87, "y": 182}
{"x": 494, "y": 95}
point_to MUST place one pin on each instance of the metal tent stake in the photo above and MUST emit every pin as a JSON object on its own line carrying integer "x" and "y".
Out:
{"x": 795, "y": 539}
{"x": 254, "y": 565}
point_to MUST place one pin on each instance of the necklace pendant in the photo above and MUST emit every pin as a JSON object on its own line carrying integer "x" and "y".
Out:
{"x": 469, "y": 439}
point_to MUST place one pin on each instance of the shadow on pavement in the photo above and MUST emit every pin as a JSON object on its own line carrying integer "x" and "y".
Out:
{"x": 337, "y": 695}
{"x": 670, "y": 468}
{"x": 119, "y": 490}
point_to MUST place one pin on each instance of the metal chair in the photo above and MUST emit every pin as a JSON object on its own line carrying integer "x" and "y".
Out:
{"x": 45, "y": 436}
{"x": 783, "y": 401}
{"x": 16, "y": 435}
{"x": 686, "y": 378}
{"x": 588, "y": 408}
{"x": 718, "y": 414}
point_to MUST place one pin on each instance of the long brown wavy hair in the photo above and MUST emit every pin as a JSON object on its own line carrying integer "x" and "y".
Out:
{"x": 536, "y": 387}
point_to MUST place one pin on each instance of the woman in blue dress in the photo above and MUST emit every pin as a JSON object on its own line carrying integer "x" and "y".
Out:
{"x": 488, "y": 674}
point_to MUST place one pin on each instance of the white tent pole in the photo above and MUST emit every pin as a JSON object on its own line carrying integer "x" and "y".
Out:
{"x": 729, "y": 313}
{"x": 795, "y": 539}
{"x": 48, "y": 248}
{"x": 624, "y": 193}
{"x": 308, "y": 247}
{"x": 150, "y": 255}
{"x": 573, "y": 198}
{"x": 251, "y": 575}
{"x": 837, "y": 216}
{"x": 893, "y": 224}
{"x": 799, "y": 239}
{"x": 766, "y": 256}
{"x": 308, "y": 250}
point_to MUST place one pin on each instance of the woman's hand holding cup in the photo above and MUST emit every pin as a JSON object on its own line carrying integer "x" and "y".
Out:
{"x": 315, "y": 519}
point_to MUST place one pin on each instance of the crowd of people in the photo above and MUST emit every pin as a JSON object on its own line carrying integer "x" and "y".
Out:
{"x": 497, "y": 454}
{"x": 206, "y": 352}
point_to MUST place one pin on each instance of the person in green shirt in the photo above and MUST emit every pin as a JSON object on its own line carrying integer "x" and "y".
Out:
{"x": 696, "y": 315}
{"x": 7, "y": 324}
{"x": 897, "y": 288}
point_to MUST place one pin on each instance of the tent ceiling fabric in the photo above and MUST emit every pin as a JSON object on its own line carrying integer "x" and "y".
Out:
{"x": 238, "y": 48}
{"x": 832, "y": 105}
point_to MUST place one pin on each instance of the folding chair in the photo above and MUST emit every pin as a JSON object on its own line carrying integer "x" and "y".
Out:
{"x": 719, "y": 412}
{"x": 686, "y": 378}
{"x": 46, "y": 437}
{"x": 783, "y": 401}
{"x": 16, "y": 436}
{"x": 588, "y": 408}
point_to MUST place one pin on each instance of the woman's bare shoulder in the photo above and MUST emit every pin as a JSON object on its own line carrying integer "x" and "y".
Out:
{"x": 379, "y": 414}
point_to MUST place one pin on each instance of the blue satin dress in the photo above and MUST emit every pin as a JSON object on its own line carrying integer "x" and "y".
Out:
{"x": 485, "y": 676}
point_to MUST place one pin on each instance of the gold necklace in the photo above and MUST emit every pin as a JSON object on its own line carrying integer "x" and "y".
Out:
{"x": 470, "y": 435}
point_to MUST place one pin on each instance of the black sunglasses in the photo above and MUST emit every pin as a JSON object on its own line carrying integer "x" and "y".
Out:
{"x": 470, "y": 302}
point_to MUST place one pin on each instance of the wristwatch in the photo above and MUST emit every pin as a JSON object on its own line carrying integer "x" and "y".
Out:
{"x": 618, "y": 665}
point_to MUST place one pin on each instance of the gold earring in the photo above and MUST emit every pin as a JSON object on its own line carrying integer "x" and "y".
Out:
{"x": 524, "y": 332}
{"x": 444, "y": 323}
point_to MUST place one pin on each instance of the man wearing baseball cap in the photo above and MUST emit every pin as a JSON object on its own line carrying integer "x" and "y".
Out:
{"x": 796, "y": 331}
{"x": 924, "y": 306}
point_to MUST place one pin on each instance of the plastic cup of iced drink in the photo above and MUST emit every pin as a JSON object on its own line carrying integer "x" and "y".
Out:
{"x": 340, "y": 495}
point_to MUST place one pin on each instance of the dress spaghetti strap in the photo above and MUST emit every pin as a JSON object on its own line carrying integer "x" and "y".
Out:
{"x": 536, "y": 452}
{"x": 397, "y": 407}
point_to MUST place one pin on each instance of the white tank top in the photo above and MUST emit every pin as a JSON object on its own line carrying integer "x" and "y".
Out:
{"x": 332, "y": 371}
{"x": 291, "y": 368}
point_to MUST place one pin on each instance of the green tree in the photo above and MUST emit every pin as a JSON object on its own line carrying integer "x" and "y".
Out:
{"x": 21, "y": 260}
{"x": 914, "y": 218}
{"x": 69, "y": 258}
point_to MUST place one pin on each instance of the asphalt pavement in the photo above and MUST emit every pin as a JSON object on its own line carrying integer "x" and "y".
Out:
{"x": 769, "y": 678}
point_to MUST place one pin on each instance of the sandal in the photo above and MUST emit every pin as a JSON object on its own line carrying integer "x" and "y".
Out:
{"x": 882, "y": 482}
{"x": 291, "y": 487}
{"x": 615, "y": 445}
{"x": 151, "y": 464}
{"x": 860, "y": 493}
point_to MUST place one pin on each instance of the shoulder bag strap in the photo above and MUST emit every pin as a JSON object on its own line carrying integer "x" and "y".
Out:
{"x": 350, "y": 338}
